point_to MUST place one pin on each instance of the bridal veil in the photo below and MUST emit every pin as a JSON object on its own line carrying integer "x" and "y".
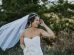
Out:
{"x": 10, "y": 32}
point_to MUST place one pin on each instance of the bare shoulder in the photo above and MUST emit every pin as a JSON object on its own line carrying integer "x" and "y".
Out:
{"x": 26, "y": 29}
{"x": 24, "y": 32}
{"x": 40, "y": 29}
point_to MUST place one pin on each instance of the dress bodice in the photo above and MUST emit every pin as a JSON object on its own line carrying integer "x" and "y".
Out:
{"x": 32, "y": 46}
{"x": 35, "y": 41}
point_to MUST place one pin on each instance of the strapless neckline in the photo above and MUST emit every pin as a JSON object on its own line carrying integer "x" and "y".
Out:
{"x": 31, "y": 38}
{"x": 32, "y": 46}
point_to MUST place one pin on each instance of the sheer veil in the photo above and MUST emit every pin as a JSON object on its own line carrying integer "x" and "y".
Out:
{"x": 10, "y": 33}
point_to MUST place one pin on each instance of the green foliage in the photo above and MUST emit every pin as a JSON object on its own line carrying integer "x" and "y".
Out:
{"x": 59, "y": 19}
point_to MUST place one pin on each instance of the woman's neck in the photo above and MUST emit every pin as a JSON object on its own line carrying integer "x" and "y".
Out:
{"x": 33, "y": 28}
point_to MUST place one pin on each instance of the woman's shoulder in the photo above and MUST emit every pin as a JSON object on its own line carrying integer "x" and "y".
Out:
{"x": 40, "y": 29}
{"x": 26, "y": 29}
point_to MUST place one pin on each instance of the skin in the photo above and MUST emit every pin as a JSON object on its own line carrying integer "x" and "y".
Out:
{"x": 33, "y": 31}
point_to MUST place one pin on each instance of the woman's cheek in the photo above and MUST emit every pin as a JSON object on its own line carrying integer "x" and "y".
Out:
{"x": 38, "y": 22}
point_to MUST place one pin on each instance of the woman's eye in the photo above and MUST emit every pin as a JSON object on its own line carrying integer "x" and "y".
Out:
{"x": 37, "y": 20}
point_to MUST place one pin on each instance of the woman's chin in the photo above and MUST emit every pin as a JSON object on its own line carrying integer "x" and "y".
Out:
{"x": 36, "y": 26}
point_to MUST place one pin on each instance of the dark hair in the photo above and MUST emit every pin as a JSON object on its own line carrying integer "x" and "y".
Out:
{"x": 31, "y": 18}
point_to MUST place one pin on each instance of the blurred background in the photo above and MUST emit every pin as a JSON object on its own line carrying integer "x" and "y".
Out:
{"x": 57, "y": 14}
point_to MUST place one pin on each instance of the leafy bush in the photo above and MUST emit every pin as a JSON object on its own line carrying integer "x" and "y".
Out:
{"x": 58, "y": 18}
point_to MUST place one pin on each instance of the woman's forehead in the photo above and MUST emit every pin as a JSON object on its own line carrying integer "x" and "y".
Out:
{"x": 37, "y": 17}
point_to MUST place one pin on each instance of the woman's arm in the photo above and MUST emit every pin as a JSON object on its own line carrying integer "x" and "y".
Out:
{"x": 22, "y": 41}
{"x": 49, "y": 33}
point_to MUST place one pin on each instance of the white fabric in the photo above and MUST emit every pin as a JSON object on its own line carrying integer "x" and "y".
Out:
{"x": 10, "y": 33}
{"x": 32, "y": 46}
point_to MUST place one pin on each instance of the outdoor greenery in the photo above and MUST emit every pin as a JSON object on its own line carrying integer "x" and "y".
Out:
{"x": 59, "y": 17}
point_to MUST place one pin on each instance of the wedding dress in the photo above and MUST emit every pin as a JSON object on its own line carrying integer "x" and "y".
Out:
{"x": 32, "y": 46}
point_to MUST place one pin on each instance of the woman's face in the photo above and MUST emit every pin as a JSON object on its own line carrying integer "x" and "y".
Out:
{"x": 36, "y": 22}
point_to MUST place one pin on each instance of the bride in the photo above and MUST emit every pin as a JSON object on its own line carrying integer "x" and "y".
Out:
{"x": 30, "y": 37}
{"x": 26, "y": 30}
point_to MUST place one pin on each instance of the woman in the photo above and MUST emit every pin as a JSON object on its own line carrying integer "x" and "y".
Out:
{"x": 30, "y": 37}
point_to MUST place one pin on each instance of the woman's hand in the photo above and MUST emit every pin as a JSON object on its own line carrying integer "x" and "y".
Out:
{"x": 49, "y": 32}
{"x": 42, "y": 23}
{"x": 22, "y": 46}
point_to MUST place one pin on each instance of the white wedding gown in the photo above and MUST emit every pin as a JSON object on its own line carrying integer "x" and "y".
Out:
{"x": 32, "y": 46}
